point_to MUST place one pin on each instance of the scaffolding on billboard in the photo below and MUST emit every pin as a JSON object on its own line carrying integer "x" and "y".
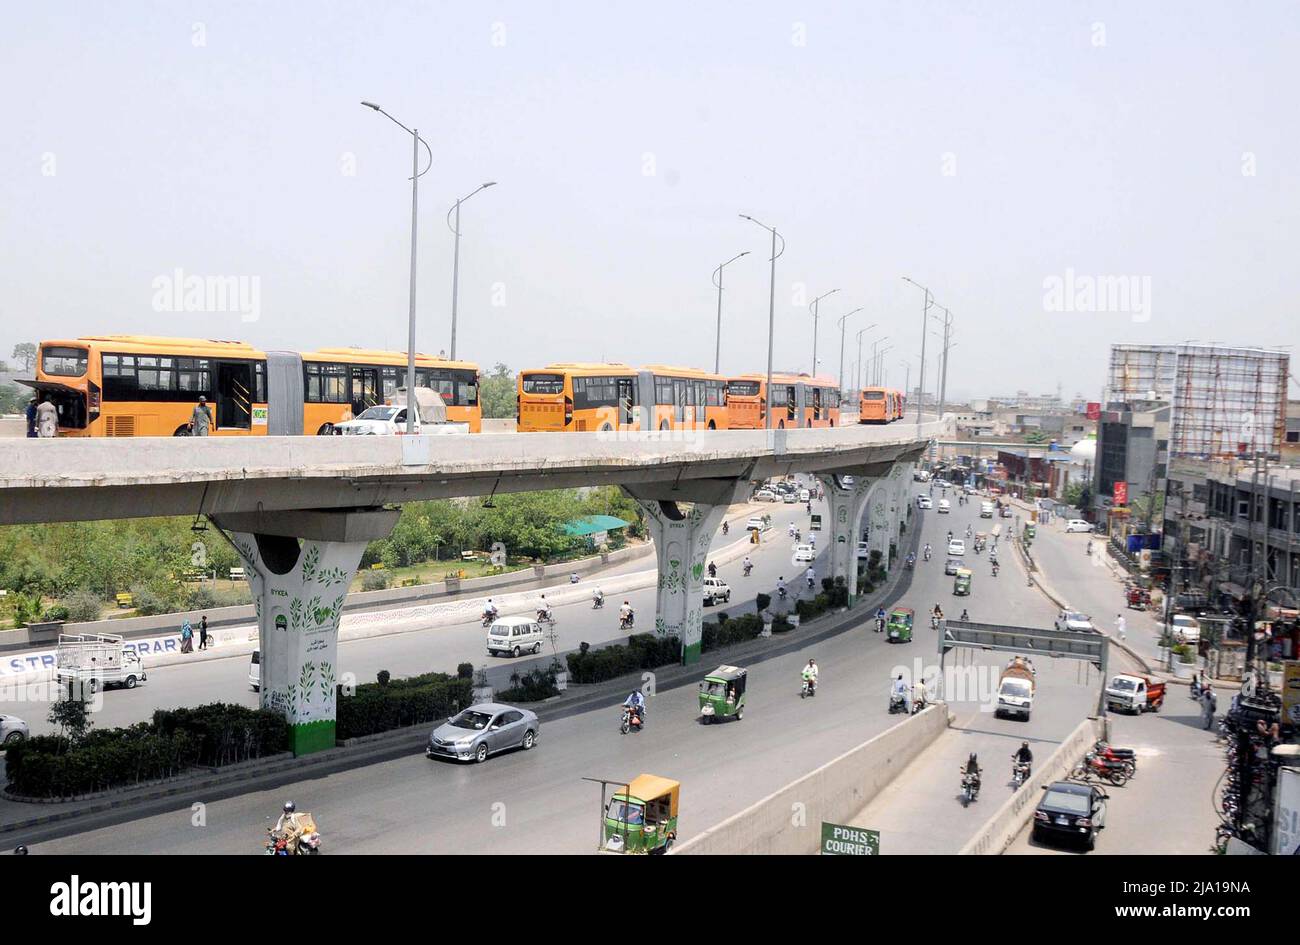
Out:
{"x": 1224, "y": 400}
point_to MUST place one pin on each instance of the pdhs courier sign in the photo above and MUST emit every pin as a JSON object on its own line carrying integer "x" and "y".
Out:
{"x": 838, "y": 840}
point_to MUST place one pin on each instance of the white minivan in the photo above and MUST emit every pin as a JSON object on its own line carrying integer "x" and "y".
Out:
{"x": 515, "y": 635}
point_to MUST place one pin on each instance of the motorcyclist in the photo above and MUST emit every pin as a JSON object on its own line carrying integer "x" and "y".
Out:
{"x": 780, "y": 587}
{"x": 544, "y": 609}
{"x": 1024, "y": 756}
{"x": 747, "y": 566}
{"x": 809, "y": 674}
{"x": 489, "y": 611}
{"x": 919, "y": 697}
{"x": 950, "y": 536}
{"x": 969, "y": 530}
{"x": 911, "y": 559}
{"x": 880, "y": 620}
{"x": 598, "y": 598}
{"x": 995, "y": 567}
{"x": 971, "y": 769}
{"x": 290, "y": 827}
{"x": 964, "y": 616}
{"x": 811, "y": 577}
{"x": 635, "y": 701}
{"x": 713, "y": 570}
{"x": 725, "y": 528}
{"x": 898, "y": 689}
{"x": 573, "y": 577}
{"x": 927, "y": 551}
{"x": 791, "y": 530}
{"x": 625, "y": 613}
{"x": 1089, "y": 547}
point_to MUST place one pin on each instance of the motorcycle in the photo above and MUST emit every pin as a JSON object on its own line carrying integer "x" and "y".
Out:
{"x": 880, "y": 625}
{"x": 277, "y": 844}
{"x": 597, "y": 603}
{"x": 911, "y": 562}
{"x": 713, "y": 570}
{"x": 1104, "y": 769}
{"x": 927, "y": 554}
{"x": 632, "y": 719}
{"x": 1122, "y": 756}
{"x": 625, "y": 621}
{"x": 934, "y": 623}
{"x": 747, "y": 569}
{"x": 970, "y": 787}
{"x": 995, "y": 569}
{"x": 545, "y": 616}
{"x": 489, "y": 617}
{"x": 897, "y": 703}
{"x": 781, "y": 593}
{"x": 809, "y": 688}
{"x": 725, "y": 528}
{"x": 1019, "y": 773}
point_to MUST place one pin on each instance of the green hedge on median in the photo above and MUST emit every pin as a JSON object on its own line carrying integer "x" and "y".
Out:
{"x": 642, "y": 651}
{"x": 174, "y": 741}
{"x": 381, "y": 707}
{"x": 729, "y": 631}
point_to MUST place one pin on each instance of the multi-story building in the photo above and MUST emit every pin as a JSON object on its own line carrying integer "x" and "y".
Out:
{"x": 1133, "y": 449}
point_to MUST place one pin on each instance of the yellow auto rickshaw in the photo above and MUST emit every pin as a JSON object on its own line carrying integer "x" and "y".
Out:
{"x": 642, "y": 818}
{"x": 961, "y": 583}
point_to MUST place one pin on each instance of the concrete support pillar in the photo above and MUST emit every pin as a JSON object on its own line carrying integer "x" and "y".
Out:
{"x": 879, "y": 518}
{"x": 900, "y": 477}
{"x": 846, "y": 504}
{"x": 300, "y": 565}
{"x": 682, "y": 522}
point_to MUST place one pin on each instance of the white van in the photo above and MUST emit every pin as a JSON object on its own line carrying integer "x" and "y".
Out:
{"x": 255, "y": 671}
{"x": 1186, "y": 629}
{"x": 514, "y": 635}
{"x": 986, "y": 510}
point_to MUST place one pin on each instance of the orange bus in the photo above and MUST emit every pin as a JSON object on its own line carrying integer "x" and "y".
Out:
{"x": 880, "y": 405}
{"x": 129, "y": 385}
{"x": 676, "y": 398}
{"x": 577, "y": 397}
{"x": 797, "y": 400}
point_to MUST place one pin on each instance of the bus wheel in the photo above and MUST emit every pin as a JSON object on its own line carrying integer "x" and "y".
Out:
{"x": 832, "y": 423}
{"x": 712, "y": 425}
{"x": 181, "y": 431}
{"x": 663, "y": 425}
{"x": 781, "y": 425}
{"x": 326, "y": 430}
{"x": 606, "y": 427}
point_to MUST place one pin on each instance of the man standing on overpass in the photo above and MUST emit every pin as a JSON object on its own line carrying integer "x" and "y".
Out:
{"x": 200, "y": 419}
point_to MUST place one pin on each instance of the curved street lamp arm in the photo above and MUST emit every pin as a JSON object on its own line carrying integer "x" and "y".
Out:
{"x": 714, "y": 277}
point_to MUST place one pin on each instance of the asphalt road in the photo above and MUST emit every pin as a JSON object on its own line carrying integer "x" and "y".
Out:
{"x": 536, "y": 801}
{"x": 422, "y": 649}
{"x": 921, "y": 810}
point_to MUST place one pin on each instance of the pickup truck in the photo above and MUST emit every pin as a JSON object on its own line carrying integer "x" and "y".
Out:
{"x": 1016, "y": 689}
{"x": 715, "y": 590}
{"x": 1136, "y": 694}
{"x": 97, "y": 660}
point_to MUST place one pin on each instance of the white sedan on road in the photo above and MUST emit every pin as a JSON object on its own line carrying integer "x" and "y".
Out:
{"x": 804, "y": 553}
{"x": 923, "y": 502}
{"x": 1078, "y": 525}
{"x": 1075, "y": 622}
{"x": 957, "y": 547}
{"x": 944, "y": 506}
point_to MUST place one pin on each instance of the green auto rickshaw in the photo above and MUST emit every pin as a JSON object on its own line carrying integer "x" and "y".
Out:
{"x": 722, "y": 694}
{"x": 642, "y": 818}
{"x": 1030, "y": 531}
{"x": 961, "y": 583}
{"x": 900, "y": 625}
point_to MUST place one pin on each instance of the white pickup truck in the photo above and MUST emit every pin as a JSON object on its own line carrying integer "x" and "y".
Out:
{"x": 97, "y": 659}
{"x": 715, "y": 590}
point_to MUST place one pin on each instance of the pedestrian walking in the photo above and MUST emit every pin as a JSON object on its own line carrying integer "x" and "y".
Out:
{"x": 200, "y": 419}
{"x": 1120, "y": 626}
{"x": 47, "y": 419}
{"x": 1209, "y": 703}
{"x": 187, "y": 636}
{"x": 31, "y": 417}
{"x": 203, "y": 632}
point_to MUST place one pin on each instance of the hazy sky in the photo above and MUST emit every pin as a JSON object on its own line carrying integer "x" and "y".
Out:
{"x": 980, "y": 148}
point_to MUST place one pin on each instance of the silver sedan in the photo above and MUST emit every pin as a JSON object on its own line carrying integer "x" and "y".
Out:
{"x": 483, "y": 730}
{"x": 12, "y": 730}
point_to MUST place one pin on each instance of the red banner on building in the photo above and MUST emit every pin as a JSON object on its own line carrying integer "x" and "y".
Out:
{"x": 1094, "y": 411}
{"x": 1119, "y": 493}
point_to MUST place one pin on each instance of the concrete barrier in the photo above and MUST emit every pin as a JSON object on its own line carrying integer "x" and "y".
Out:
{"x": 1005, "y": 825}
{"x": 789, "y": 820}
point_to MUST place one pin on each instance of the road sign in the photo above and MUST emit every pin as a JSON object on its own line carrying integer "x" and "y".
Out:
{"x": 839, "y": 840}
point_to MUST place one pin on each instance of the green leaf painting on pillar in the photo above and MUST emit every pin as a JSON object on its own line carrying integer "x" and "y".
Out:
{"x": 327, "y": 682}
{"x": 307, "y": 682}
{"x": 331, "y": 576}
{"x": 297, "y": 614}
{"x": 697, "y": 571}
{"x": 310, "y": 562}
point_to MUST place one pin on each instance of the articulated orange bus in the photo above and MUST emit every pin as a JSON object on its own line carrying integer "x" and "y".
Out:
{"x": 880, "y": 405}
{"x": 676, "y": 398}
{"x": 129, "y": 385}
{"x": 577, "y": 397}
{"x": 797, "y": 400}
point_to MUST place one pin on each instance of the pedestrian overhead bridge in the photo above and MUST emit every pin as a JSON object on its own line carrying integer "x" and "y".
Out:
{"x": 300, "y": 510}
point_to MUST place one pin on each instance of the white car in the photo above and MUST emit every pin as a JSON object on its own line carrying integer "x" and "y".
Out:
{"x": 944, "y": 506}
{"x": 515, "y": 635}
{"x": 1075, "y": 622}
{"x": 715, "y": 590}
{"x": 765, "y": 495}
{"x": 957, "y": 547}
{"x": 804, "y": 552}
{"x": 12, "y": 731}
{"x": 1078, "y": 525}
{"x": 804, "y": 495}
{"x": 986, "y": 510}
{"x": 762, "y": 523}
{"x": 863, "y": 551}
{"x": 380, "y": 420}
{"x": 924, "y": 502}
{"x": 1186, "y": 629}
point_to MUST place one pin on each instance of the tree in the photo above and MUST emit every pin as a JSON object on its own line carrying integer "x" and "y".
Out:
{"x": 71, "y": 714}
{"x": 497, "y": 393}
{"x": 26, "y": 353}
{"x": 12, "y": 399}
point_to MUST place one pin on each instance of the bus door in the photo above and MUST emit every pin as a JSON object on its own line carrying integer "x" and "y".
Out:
{"x": 625, "y": 402}
{"x": 680, "y": 393}
{"x": 365, "y": 388}
{"x": 816, "y": 405}
{"x": 793, "y": 403}
{"x": 234, "y": 395}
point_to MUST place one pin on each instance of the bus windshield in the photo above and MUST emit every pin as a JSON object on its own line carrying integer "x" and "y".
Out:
{"x": 64, "y": 362}
{"x": 543, "y": 384}
{"x": 743, "y": 388}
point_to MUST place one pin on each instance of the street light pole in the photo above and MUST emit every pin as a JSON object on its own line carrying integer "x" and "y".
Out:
{"x": 943, "y": 374}
{"x": 455, "y": 265}
{"x": 812, "y": 307}
{"x": 771, "y": 316}
{"x": 843, "y": 319}
{"x": 717, "y": 347}
{"x": 875, "y": 361}
{"x": 416, "y": 174}
{"x": 925, "y": 312}
{"x": 860, "y": 362}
